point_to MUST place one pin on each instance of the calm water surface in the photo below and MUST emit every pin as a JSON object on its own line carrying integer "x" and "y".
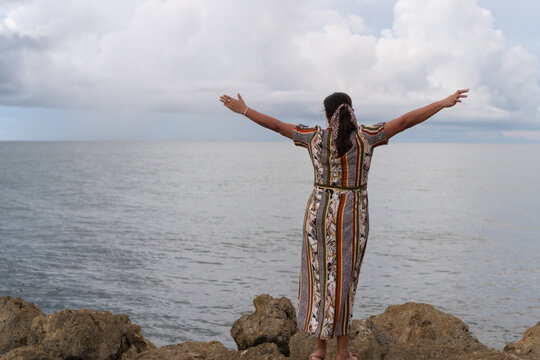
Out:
{"x": 182, "y": 236}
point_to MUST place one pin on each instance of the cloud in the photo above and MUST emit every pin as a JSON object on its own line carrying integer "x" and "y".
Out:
{"x": 283, "y": 56}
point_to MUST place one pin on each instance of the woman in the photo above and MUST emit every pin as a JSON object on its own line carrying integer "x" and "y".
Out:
{"x": 336, "y": 222}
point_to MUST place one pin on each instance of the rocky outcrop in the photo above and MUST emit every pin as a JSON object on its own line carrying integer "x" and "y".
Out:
{"x": 421, "y": 329}
{"x": 213, "y": 350}
{"x": 16, "y": 316}
{"x": 27, "y": 353}
{"x": 86, "y": 335}
{"x": 529, "y": 345}
{"x": 265, "y": 351}
{"x": 402, "y": 332}
{"x": 274, "y": 321}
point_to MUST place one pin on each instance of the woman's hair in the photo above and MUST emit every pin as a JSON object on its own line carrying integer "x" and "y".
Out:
{"x": 346, "y": 125}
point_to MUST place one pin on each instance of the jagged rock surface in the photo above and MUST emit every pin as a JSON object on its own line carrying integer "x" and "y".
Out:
{"x": 528, "y": 347}
{"x": 423, "y": 332}
{"x": 27, "y": 353}
{"x": 16, "y": 316}
{"x": 274, "y": 321}
{"x": 213, "y": 350}
{"x": 86, "y": 335}
{"x": 265, "y": 351}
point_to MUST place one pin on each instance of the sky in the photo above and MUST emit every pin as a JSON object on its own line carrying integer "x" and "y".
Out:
{"x": 154, "y": 69}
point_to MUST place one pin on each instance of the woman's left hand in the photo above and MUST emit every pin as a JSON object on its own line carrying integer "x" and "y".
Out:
{"x": 236, "y": 105}
{"x": 454, "y": 98}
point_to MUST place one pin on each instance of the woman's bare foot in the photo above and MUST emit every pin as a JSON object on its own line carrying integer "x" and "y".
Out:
{"x": 346, "y": 356}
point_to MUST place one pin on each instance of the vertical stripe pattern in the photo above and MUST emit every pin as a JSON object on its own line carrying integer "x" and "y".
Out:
{"x": 336, "y": 226}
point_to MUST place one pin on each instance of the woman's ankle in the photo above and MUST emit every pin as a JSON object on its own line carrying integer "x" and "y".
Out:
{"x": 320, "y": 344}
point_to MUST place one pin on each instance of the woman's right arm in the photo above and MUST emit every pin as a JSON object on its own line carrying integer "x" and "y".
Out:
{"x": 269, "y": 122}
{"x": 417, "y": 116}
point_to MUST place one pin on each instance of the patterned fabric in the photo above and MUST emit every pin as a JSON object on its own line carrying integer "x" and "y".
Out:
{"x": 336, "y": 227}
{"x": 334, "y": 120}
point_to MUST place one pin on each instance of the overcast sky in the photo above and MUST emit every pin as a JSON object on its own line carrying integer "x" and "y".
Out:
{"x": 154, "y": 69}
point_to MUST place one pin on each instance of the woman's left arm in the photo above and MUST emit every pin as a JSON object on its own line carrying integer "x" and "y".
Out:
{"x": 417, "y": 116}
{"x": 269, "y": 122}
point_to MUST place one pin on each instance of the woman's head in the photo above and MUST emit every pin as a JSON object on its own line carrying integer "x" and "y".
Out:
{"x": 346, "y": 123}
{"x": 332, "y": 102}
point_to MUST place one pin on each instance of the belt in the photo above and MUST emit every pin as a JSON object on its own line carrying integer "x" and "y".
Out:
{"x": 334, "y": 187}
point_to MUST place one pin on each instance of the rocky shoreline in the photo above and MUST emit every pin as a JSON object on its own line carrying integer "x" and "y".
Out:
{"x": 408, "y": 331}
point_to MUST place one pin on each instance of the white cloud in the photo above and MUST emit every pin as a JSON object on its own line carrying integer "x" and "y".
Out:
{"x": 180, "y": 55}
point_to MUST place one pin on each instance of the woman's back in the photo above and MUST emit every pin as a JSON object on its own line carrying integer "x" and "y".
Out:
{"x": 349, "y": 170}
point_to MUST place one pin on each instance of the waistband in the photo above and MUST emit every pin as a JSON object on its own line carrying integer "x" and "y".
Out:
{"x": 341, "y": 188}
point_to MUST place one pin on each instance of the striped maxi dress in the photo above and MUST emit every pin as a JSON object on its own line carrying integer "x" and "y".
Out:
{"x": 336, "y": 226}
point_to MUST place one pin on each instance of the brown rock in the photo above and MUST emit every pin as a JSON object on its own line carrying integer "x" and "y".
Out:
{"x": 365, "y": 340}
{"x": 137, "y": 349}
{"x": 87, "y": 334}
{"x": 274, "y": 321}
{"x": 16, "y": 316}
{"x": 422, "y": 323}
{"x": 412, "y": 351}
{"x": 265, "y": 351}
{"x": 213, "y": 350}
{"x": 529, "y": 345}
{"x": 301, "y": 345}
{"x": 27, "y": 353}
{"x": 423, "y": 332}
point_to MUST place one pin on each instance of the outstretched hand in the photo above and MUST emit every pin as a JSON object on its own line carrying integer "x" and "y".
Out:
{"x": 454, "y": 98}
{"x": 236, "y": 105}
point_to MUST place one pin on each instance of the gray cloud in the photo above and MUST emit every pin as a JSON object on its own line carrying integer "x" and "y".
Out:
{"x": 283, "y": 56}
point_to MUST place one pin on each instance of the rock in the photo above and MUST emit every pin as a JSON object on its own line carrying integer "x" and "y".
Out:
{"x": 274, "y": 321}
{"x": 301, "y": 345}
{"x": 16, "y": 316}
{"x": 412, "y": 351}
{"x": 213, "y": 350}
{"x": 365, "y": 340}
{"x": 136, "y": 349}
{"x": 87, "y": 334}
{"x": 265, "y": 351}
{"x": 422, "y": 323}
{"x": 27, "y": 353}
{"x": 423, "y": 332}
{"x": 529, "y": 345}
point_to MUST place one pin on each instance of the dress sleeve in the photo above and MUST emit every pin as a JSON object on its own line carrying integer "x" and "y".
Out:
{"x": 374, "y": 134}
{"x": 302, "y": 135}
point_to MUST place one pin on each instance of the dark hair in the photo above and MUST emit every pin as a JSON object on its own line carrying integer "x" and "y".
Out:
{"x": 346, "y": 125}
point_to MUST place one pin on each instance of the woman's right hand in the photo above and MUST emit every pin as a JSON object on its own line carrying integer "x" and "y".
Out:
{"x": 236, "y": 105}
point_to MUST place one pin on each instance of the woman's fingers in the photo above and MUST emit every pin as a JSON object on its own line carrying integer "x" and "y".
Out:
{"x": 455, "y": 98}
{"x": 460, "y": 93}
{"x": 232, "y": 103}
{"x": 227, "y": 100}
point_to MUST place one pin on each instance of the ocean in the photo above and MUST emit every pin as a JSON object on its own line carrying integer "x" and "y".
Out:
{"x": 182, "y": 236}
